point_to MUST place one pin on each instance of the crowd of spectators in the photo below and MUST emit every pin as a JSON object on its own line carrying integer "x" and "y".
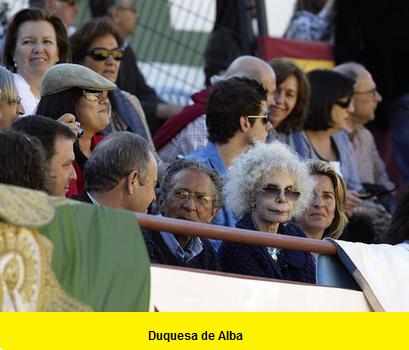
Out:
{"x": 264, "y": 147}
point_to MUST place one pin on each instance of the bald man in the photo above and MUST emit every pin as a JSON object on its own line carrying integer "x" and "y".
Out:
{"x": 366, "y": 98}
{"x": 186, "y": 131}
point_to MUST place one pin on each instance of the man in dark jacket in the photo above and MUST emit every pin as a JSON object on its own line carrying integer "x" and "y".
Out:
{"x": 189, "y": 191}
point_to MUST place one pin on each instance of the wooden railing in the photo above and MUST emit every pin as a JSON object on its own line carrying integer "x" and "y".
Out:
{"x": 189, "y": 228}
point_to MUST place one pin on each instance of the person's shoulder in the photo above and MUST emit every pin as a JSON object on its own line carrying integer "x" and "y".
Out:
{"x": 201, "y": 154}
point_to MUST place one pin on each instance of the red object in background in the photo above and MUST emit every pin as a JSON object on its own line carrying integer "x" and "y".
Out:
{"x": 269, "y": 48}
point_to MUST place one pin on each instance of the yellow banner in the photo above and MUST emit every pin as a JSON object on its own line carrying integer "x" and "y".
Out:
{"x": 74, "y": 331}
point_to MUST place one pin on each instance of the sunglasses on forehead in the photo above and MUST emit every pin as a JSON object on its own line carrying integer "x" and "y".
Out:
{"x": 101, "y": 54}
{"x": 265, "y": 118}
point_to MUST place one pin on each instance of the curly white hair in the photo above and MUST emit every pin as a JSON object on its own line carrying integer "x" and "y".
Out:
{"x": 247, "y": 169}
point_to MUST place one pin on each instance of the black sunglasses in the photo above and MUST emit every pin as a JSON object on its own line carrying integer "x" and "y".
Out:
{"x": 274, "y": 192}
{"x": 101, "y": 54}
{"x": 265, "y": 118}
{"x": 344, "y": 102}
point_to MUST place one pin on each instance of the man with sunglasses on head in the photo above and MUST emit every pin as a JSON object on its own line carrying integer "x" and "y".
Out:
{"x": 237, "y": 116}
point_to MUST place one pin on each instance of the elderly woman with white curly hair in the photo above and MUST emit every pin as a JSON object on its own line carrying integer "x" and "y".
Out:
{"x": 266, "y": 187}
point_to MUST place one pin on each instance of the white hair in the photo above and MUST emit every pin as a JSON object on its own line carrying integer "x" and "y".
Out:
{"x": 247, "y": 169}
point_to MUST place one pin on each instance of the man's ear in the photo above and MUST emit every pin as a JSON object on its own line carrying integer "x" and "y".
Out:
{"x": 131, "y": 181}
{"x": 244, "y": 124}
{"x": 114, "y": 15}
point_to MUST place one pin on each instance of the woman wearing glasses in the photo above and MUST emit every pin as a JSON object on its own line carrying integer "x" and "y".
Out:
{"x": 266, "y": 187}
{"x": 77, "y": 91}
{"x": 98, "y": 46}
{"x": 10, "y": 102}
{"x": 35, "y": 41}
{"x": 324, "y": 137}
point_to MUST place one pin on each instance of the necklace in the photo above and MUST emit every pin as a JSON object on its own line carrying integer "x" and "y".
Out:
{"x": 274, "y": 252}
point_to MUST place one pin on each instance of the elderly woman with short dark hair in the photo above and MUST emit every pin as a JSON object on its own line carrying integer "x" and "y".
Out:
{"x": 266, "y": 187}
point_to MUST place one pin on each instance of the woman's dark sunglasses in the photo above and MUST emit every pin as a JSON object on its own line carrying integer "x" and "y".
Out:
{"x": 101, "y": 54}
{"x": 274, "y": 192}
{"x": 344, "y": 102}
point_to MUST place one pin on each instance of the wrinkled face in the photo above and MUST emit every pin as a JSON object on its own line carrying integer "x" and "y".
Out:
{"x": 259, "y": 130}
{"x": 36, "y": 49}
{"x": 109, "y": 67}
{"x": 93, "y": 115}
{"x": 366, "y": 99}
{"x": 320, "y": 213}
{"x": 286, "y": 98}
{"x": 144, "y": 195}
{"x": 190, "y": 198}
{"x": 340, "y": 115}
{"x": 61, "y": 170}
{"x": 65, "y": 10}
{"x": 270, "y": 207}
{"x": 9, "y": 112}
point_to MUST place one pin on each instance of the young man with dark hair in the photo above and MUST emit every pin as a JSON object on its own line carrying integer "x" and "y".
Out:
{"x": 237, "y": 116}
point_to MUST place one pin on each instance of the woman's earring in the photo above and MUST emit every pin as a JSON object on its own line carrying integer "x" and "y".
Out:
{"x": 15, "y": 64}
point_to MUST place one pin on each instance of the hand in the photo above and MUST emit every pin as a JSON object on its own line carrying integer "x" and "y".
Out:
{"x": 69, "y": 121}
{"x": 352, "y": 201}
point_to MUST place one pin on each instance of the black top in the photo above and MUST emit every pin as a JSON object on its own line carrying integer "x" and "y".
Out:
{"x": 256, "y": 260}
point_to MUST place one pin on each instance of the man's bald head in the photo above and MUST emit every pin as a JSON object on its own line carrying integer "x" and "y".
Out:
{"x": 366, "y": 97}
{"x": 254, "y": 68}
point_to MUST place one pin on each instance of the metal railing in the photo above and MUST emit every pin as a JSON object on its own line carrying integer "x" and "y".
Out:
{"x": 189, "y": 228}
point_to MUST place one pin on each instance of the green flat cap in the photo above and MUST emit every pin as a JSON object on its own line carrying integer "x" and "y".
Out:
{"x": 64, "y": 76}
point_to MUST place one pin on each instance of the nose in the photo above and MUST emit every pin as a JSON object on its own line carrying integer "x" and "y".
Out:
{"x": 271, "y": 99}
{"x": 189, "y": 204}
{"x": 110, "y": 60}
{"x": 281, "y": 197}
{"x": 317, "y": 202}
{"x": 351, "y": 108}
{"x": 278, "y": 97}
{"x": 38, "y": 46}
{"x": 20, "y": 109}
{"x": 378, "y": 96}
{"x": 269, "y": 125}
{"x": 73, "y": 174}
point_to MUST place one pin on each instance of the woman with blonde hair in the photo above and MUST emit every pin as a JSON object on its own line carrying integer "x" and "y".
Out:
{"x": 266, "y": 187}
{"x": 325, "y": 216}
